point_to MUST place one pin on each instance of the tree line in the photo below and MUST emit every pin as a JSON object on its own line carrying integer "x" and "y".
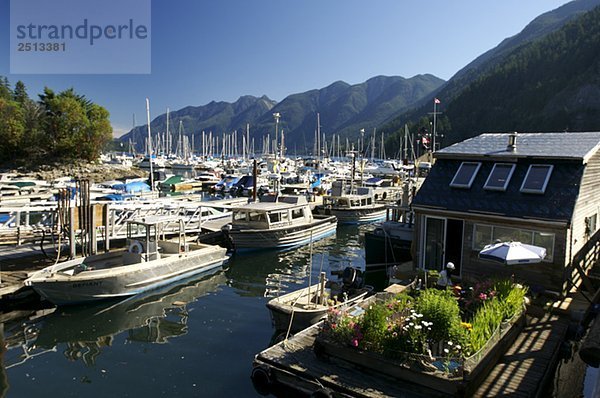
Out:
{"x": 62, "y": 126}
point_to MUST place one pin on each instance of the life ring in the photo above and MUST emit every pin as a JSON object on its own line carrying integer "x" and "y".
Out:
{"x": 136, "y": 247}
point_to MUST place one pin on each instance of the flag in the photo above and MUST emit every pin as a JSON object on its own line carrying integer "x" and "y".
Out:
{"x": 436, "y": 101}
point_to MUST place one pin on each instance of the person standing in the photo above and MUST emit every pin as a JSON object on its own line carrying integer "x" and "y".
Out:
{"x": 445, "y": 279}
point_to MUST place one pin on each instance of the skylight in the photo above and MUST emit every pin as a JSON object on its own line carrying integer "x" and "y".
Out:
{"x": 499, "y": 177}
{"x": 537, "y": 178}
{"x": 465, "y": 175}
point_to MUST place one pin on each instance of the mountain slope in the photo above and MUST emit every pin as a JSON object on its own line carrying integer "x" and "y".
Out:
{"x": 489, "y": 61}
{"x": 343, "y": 108}
{"x": 552, "y": 84}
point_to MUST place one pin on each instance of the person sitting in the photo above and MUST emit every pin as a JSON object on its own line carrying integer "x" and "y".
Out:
{"x": 444, "y": 279}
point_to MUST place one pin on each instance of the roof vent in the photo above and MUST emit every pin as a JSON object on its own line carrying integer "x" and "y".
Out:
{"x": 512, "y": 142}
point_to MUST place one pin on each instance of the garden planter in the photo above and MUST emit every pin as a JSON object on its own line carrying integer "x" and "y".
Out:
{"x": 462, "y": 380}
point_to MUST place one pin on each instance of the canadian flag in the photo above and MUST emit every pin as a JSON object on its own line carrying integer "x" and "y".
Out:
{"x": 436, "y": 101}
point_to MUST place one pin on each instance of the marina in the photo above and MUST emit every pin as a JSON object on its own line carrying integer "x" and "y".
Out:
{"x": 339, "y": 212}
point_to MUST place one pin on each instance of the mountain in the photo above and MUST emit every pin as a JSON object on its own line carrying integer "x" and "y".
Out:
{"x": 552, "y": 84}
{"x": 489, "y": 63}
{"x": 217, "y": 117}
{"x": 343, "y": 108}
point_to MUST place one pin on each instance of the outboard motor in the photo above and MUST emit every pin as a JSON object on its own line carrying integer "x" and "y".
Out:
{"x": 352, "y": 279}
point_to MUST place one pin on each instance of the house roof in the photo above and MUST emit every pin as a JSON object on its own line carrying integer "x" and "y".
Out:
{"x": 556, "y": 204}
{"x": 563, "y": 145}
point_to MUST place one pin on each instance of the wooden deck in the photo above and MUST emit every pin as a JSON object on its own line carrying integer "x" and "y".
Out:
{"x": 527, "y": 365}
{"x": 521, "y": 372}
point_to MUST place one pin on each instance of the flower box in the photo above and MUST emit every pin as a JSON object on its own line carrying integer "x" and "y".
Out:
{"x": 458, "y": 379}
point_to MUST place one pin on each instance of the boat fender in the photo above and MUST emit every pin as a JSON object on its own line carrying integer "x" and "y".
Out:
{"x": 322, "y": 393}
{"x": 136, "y": 247}
{"x": 261, "y": 379}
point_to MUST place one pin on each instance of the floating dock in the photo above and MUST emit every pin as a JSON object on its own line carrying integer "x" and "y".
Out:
{"x": 522, "y": 371}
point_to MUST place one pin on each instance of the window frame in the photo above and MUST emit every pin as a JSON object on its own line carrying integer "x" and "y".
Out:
{"x": 508, "y": 177}
{"x": 453, "y": 184}
{"x": 548, "y": 175}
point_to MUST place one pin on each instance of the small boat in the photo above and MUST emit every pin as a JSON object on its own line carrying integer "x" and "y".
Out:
{"x": 146, "y": 264}
{"x": 302, "y": 308}
{"x": 277, "y": 222}
{"x": 352, "y": 207}
{"x": 389, "y": 243}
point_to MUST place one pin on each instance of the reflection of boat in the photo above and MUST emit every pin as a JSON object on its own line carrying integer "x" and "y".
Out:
{"x": 151, "y": 317}
{"x": 149, "y": 263}
{"x": 307, "y": 306}
{"x": 352, "y": 207}
{"x": 277, "y": 222}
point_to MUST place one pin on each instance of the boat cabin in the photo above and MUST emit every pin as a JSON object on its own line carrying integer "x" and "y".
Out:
{"x": 272, "y": 212}
{"x": 146, "y": 238}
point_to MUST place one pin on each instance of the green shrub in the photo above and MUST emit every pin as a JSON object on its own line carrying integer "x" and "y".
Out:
{"x": 439, "y": 307}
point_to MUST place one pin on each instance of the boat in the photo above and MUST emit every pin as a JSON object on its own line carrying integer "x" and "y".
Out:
{"x": 277, "y": 222}
{"x": 147, "y": 263}
{"x": 388, "y": 244}
{"x": 302, "y": 308}
{"x": 352, "y": 206}
{"x": 145, "y": 317}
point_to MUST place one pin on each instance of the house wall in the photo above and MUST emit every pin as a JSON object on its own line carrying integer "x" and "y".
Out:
{"x": 546, "y": 275}
{"x": 588, "y": 204}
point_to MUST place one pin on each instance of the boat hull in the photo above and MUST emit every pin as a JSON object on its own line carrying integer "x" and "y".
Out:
{"x": 382, "y": 250}
{"x": 283, "y": 238}
{"x": 127, "y": 280}
{"x": 302, "y": 315}
{"x": 355, "y": 216}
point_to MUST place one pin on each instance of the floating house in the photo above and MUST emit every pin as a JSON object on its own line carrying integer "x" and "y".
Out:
{"x": 535, "y": 188}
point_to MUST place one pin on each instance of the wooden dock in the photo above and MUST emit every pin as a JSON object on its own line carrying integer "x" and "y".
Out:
{"x": 526, "y": 367}
{"x": 521, "y": 372}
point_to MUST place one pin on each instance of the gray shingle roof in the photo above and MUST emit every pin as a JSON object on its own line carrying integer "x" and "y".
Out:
{"x": 546, "y": 145}
{"x": 557, "y": 203}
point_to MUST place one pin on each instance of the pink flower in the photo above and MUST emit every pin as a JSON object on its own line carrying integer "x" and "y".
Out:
{"x": 355, "y": 342}
{"x": 482, "y": 296}
{"x": 333, "y": 325}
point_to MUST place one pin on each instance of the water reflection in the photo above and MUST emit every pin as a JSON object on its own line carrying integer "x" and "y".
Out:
{"x": 270, "y": 273}
{"x": 153, "y": 317}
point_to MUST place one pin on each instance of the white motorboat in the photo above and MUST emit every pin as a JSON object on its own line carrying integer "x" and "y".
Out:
{"x": 147, "y": 263}
{"x": 277, "y": 222}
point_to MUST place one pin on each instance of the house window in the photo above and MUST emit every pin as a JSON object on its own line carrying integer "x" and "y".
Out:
{"x": 465, "y": 175}
{"x": 482, "y": 235}
{"x": 499, "y": 177}
{"x": 537, "y": 178}
{"x": 590, "y": 225}
{"x": 487, "y": 234}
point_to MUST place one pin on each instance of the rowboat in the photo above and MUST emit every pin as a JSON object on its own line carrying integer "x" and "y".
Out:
{"x": 302, "y": 308}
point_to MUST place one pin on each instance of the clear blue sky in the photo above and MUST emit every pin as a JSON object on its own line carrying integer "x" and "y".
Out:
{"x": 204, "y": 50}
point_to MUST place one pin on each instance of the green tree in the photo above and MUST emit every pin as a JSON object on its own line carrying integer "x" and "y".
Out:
{"x": 11, "y": 128}
{"x": 20, "y": 93}
{"x": 76, "y": 128}
{"x": 5, "y": 92}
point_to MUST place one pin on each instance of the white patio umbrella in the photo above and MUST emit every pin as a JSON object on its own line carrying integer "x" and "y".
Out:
{"x": 511, "y": 253}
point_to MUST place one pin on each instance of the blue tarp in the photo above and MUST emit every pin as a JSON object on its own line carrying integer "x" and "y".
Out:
{"x": 132, "y": 187}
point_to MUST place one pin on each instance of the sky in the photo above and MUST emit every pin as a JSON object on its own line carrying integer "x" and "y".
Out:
{"x": 205, "y": 50}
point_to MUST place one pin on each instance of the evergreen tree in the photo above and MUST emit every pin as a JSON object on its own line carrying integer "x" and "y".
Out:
{"x": 20, "y": 93}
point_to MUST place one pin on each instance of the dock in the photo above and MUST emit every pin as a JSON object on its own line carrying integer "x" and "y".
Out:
{"x": 522, "y": 371}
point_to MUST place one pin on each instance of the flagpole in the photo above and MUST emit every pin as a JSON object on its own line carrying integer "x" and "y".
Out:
{"x": 435, "y": 100}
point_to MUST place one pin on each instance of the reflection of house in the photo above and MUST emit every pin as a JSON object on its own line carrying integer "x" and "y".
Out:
{"x": 537, "y": 188}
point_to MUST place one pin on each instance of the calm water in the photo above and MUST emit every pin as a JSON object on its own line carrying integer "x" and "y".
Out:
{"x": 194, "y": 339}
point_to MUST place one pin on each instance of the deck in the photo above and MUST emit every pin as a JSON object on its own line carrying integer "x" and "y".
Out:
{"x": 521, "y": 372}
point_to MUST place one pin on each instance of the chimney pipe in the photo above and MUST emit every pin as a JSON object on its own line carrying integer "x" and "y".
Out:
{"x": 512, "y": 142}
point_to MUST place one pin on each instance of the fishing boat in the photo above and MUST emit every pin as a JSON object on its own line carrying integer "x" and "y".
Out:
{"x": 277, "y": 222}
{"x": 147, "y": 263}
{"x": 299, "y": 309}
{"x": 353, "y": 206}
